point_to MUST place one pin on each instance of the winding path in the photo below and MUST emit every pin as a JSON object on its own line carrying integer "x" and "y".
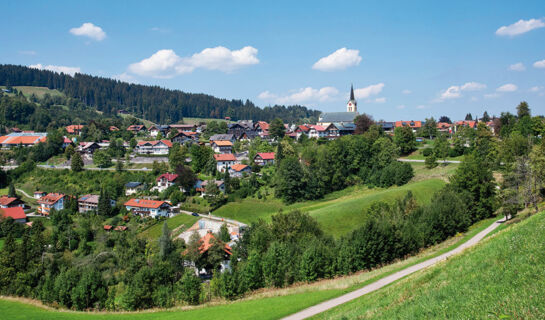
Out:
{"x": 326, "y": 305}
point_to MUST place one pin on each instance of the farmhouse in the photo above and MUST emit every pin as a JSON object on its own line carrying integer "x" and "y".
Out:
{"x": 224, "y": 161}
{"x": 156, "y": 147}
{"x": 25, "y": 139}
{"x": 136, "y": 128}
{"x": 88, "y": 147}
{"x": 223, "y": 137}
{"x": 74, "y": 129}
{"x": 222, "y": 146}
{"x": 16, "y": 213}
{"x": 237, "y": 170}
{"x": 165, "y": 181}
{"x": 89, "y": 202}
{"x": 264, "y": 158}
{"x": 200, "y": 186}
{"x": 133, "y": 187}
{"x": 10, "y": 202}
{"x": 148, "y": 208}
{"x": 51, "y": 201}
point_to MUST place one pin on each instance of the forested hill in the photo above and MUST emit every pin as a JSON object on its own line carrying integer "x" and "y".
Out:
{"x": 149, "y": 102}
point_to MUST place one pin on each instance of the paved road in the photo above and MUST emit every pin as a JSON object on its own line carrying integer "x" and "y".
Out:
{"x": 326, "y": 305}
{"x": 422, "y": 161}
{"x": 23, "y": 192}
{"x": 216, "y": 218}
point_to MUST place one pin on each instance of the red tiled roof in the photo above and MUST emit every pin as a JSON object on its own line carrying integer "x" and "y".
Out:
{"x": 143, "y": 203}
{"x": 303, "y": 128}
{"x": 73, "y": 128}
{"x": 206, "y": 243}
{"x": 225, "y": 157}
{"x": 5, "y": 200}
{"x": 441, "y": 125}
{"x": 66, "y": 140}
{"x": 169, "y": 176}
{"x": 264, "y": 125}
{"x": 107, "y": 227}
{"x": 22, "y": 140}
{"x": 120, "y": 228}
{"x": 412, "y": 124}
{"x": 136, "y": 127}
{"x": 51, "y": 198}
{"x": 113, "y": 128}
{"x": 469, "y": 123}
{"x": 15, "y": 213}
{"x": 239, "y": 167}
{"x": 266, "y": 155}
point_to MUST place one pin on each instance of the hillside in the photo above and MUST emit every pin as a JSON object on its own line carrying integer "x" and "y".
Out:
{"x": 152, "y": 103}
{"x": 502, "y": 278}
{"x": 266, "y": 304}
{"x": 338, "y": 213}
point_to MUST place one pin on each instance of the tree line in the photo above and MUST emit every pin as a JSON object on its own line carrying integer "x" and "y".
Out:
{"x": 153, "y": 103}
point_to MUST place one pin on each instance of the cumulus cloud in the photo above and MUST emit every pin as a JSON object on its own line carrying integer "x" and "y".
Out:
{"x": 89, "y": 30}
{"x": 366, "y": 92}
{"x": 338, "y": 60}
{"x": 539, "y": 64}
{"x": 307, "y": 94}
{"x": 520, "y": 27}
{"x": 517, "y": 67}
{"x": 59, "y": 69}
{"x": 509, "y": 87}
{"x": 125, "y": 77}
{"x": 536, "y": 89}
{"x": 406, "y": 91}
{"x": 166, "y": 63}
{"x": 454, "y": 92}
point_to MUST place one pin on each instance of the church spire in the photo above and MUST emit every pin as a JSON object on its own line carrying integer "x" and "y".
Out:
{"x": 352, "y": 92}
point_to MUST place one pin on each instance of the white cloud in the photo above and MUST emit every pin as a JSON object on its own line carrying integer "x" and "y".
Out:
{"x": 406, "y": 91}
{"x": 491, "y": 95}
{"x": 89, "y": 30}
{"x": 517, "y": 67}
{"x": 307, "y": 94}
{"x": 166, "y": 63}
{"x": 363, "y": 93}
{"x": 401, "y": 106}
{"x": 380, "y": 100}
{"x": 421, "y": 107}
{"x": 473, "y": 86}
{"x": 454, "y": 92}
{"x": 338, "y": 60}
{"x": 509, "y": 87}
{"x": 536, "y": 89}
{"x": 68, "y": 70}
{"x": 539, "y": 64}
{"x": 520, "y": 27}
{"x": 125, "y": 77}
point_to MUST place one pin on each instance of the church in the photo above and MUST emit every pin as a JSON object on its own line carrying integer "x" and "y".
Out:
{"x": 326, "y": 118}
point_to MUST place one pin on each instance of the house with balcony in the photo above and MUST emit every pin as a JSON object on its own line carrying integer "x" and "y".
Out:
{"x": 155, "y": 147}
{"x": 148, "y": 208}
{"x": 264, "y": 158}
{"x": 89, "y": 202}
{"x": 222, "y": 146}
{"x": 50, "y": 201}
{"x": 224, "y": 161}
{"x": 165, "y": 181}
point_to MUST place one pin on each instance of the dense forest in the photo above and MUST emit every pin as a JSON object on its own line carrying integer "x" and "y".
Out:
{"x": 153, "y": 103}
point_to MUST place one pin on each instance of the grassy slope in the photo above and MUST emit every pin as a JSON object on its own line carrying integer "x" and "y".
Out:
{"x": 269, "y": 304}
{"x": 38, "y": 91}
{"x": 503, "y": 278}
{"x": 154, "y": 232}
{"x": 338, "y": 213}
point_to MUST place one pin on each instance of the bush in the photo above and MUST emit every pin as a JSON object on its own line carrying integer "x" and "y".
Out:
{"x": 189, "y": 288}
{"x": 427, "y": 151}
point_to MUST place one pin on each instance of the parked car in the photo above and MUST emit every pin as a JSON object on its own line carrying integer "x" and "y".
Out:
{"x": 194, "y": 214}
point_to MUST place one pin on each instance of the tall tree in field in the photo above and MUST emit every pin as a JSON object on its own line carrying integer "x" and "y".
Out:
{"x": 468, "y": 117}
{"x": 165, "y": 243}
{"x": 363, "y": 122}
{"x": 289, "y": 180}
{"x": 176, "y": 156}
{"x": 76, "y": 163}
{"x": 430, "y": 128}
{"x": 104, "y": 206}
{"x": 277, "y": 129}
{"x": 11, "y": 191}
{"x": 523, "y": 110}
{"x": 485, "y": 117}
{"x": 405, "y": 139}
{"x": 445, "y": 119}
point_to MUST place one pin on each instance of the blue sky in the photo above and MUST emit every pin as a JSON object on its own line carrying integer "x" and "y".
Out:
{"x": 406, "y": 59}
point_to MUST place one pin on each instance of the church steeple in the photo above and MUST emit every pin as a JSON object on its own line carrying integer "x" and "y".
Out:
{"x": 352, "y": 105}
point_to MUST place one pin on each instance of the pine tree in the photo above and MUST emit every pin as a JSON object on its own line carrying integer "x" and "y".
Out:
{"x": 11, "y": 192}
{"x": 77, "y": 163}
{"x": 104, "y": 207}
{"x": 165, "y": 243}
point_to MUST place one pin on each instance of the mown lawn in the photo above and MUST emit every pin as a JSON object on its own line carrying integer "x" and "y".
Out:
{"x": 442, "y": 171}
{"x": 154, "y": 232}
{"x": 502, "y": 278}
{"x": 38, "y": 91}
{"x": 338, "y": 213}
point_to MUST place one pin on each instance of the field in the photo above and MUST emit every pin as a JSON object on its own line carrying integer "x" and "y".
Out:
{"x": 417, "y": 155}
{"x": 338, "y": 213}
{"x": 502, "y": 278}
{"x": 265, "y": 304}
{"x": 38, "y": 91}
{"x": 199, "y": 120}
{"x": 442, "y": 171}
{"x": 154, "y": 232}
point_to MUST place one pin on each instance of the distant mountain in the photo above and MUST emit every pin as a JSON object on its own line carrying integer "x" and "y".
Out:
{"x": 149, "y": 102}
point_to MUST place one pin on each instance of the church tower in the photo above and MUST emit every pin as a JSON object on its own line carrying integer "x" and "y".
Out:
{"x": 352, "y": 105}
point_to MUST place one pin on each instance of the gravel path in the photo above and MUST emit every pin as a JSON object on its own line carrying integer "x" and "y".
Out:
{"x": 326, "y": 305}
